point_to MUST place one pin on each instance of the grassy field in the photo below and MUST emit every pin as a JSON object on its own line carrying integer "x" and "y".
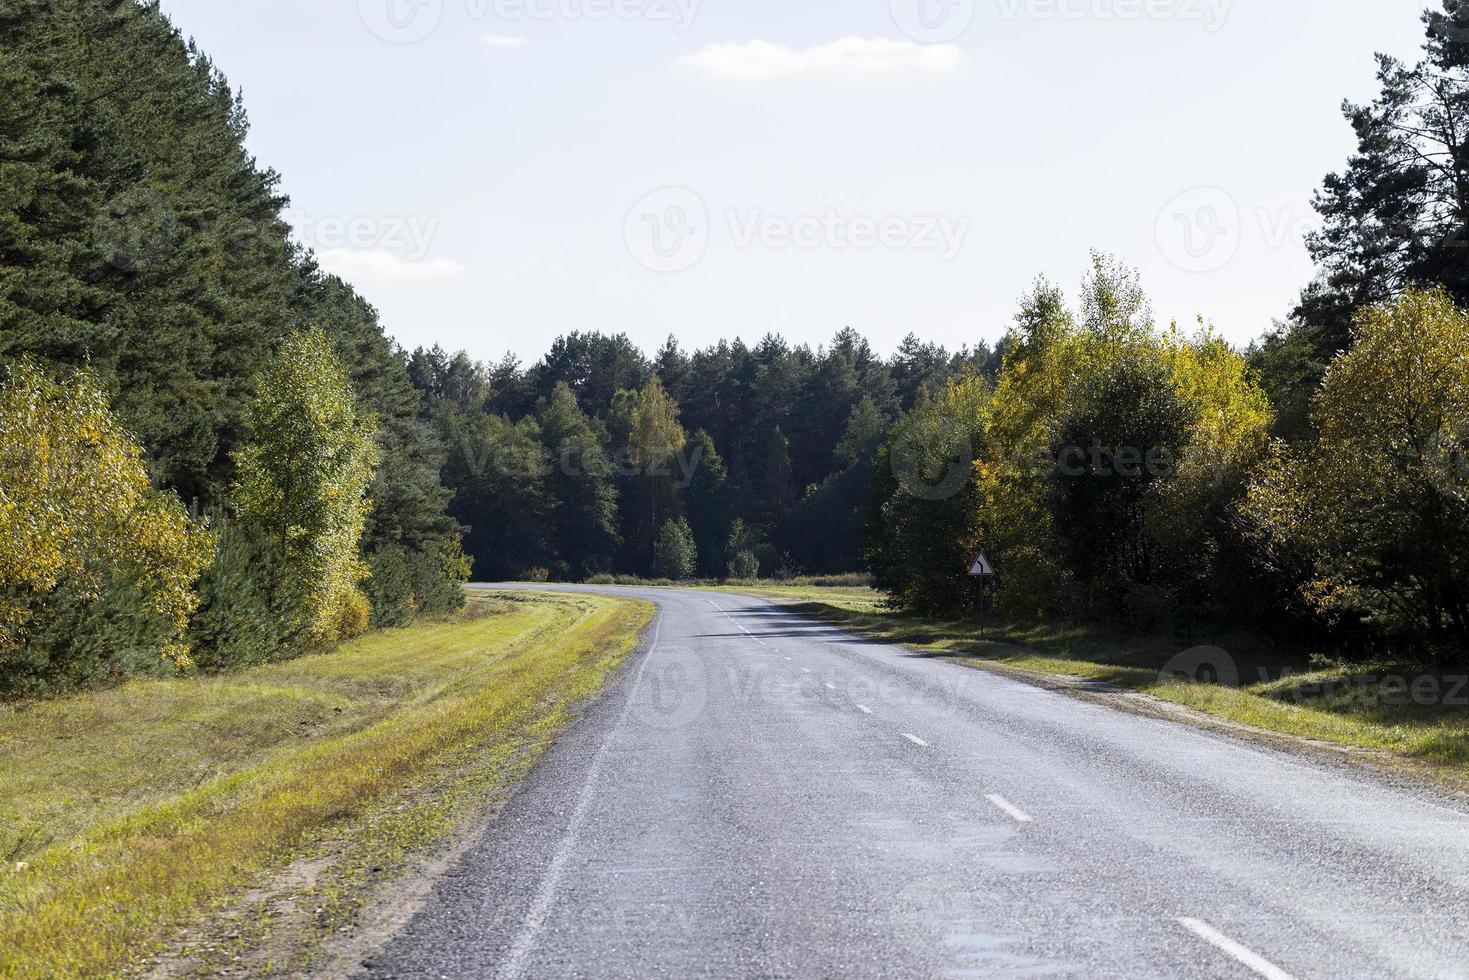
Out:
{"x": 1411, "y": 713}
{"x": 128, "y": 813}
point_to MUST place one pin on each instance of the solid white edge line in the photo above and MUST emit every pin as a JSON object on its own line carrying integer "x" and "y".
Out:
{"x": 1011, "y": 810}
{"x": 513, "y": 964}
{"x": 1240, "y": 954}
{"x": 915, "y": 740}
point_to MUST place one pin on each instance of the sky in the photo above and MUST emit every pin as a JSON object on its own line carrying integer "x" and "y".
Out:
{"x": 494, "y": 173}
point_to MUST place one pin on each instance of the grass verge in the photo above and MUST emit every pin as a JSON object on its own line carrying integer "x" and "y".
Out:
{"x": 1410, "y": 713}
{"x": 126, "y": 814}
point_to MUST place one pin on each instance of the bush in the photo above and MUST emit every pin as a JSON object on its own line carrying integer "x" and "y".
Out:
{"x": 244, "y": 617}
{"x": 439, "y": 575}
{"x": 78, "y": 638}
{"x": 390, "y": 589}
{"x": 96, "y": 567}
{"x": 404, "y": 584}
{"x": 744, "y": 566}
{"x": 675, "y": 556}
{"x": 354, "y": 615}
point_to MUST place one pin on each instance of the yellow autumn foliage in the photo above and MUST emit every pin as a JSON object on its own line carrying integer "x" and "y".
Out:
{"x": 1377, "y": 505}
{"x": 1046, "y": 380}
{"x": 304, "y": 473}
{"x": 76, "y": 506}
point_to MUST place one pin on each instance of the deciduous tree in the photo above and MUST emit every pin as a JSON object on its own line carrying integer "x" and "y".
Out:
{"x": 304, "y": 472}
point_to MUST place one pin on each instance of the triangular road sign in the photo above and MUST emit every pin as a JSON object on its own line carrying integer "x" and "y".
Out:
{"x": 982, "y": 568}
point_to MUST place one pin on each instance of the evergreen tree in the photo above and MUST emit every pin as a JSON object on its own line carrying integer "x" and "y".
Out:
{"x": 593, "y": 365}
{"x": 1397, "y": 216}
{"x": 710, "y": 506}
{"x": 499, "y": 470}
{"x": 582, "y": 523}
{"x": 778, "y": 497}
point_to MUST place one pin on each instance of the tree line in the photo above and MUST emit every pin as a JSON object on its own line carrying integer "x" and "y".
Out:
{"x": 1315, "y": 485}
{"x": 739, "y": 460}
{"x": 210, "y": 453}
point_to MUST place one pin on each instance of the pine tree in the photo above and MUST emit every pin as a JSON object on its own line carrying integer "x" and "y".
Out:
{"x": 1398, "y": 215}
{"x": 582, "y": 524}
{"x": 710, "y": 506}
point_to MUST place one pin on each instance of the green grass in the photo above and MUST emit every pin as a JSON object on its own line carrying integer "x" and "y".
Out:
{"x": 1282, "y": 691}
{"x": 128, "y": 813}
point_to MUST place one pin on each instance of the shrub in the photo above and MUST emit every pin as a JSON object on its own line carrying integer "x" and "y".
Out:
{"x": 404, "y": 584}
{"x": 439, "y": 576}
{"x": 390, "y": 589}
{"x": 744, "y": 566}
{"x": 353, "y": 616}
{"x": 77, "y": 637}
{"x": 675, "y": 556}
{"x": 245, "y": 617}
{"x": 91, "y": 555}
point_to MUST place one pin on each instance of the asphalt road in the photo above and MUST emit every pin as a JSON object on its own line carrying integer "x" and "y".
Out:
{"x": 760, "y": 795}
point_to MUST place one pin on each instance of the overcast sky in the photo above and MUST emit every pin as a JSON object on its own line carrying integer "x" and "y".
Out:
{"x": 492, "y": 173}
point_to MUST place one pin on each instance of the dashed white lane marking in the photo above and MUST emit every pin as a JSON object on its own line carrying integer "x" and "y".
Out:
{"x": 1013, "y": 811}
{"x": 1229, "y": 947}
{"x": 805, "y": 670}
{"x": 864, "y": 709}
{"x": 535, "y": 918}
{"x": 831, "y": 687}
{"x": 739, "y": 624}
{"x": 915, "y": 740}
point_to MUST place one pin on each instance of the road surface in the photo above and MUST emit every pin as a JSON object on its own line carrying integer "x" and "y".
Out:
{"x": 760, "y": 795}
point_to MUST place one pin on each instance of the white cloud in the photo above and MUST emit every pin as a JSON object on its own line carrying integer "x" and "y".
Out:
{"x": 501, "y": 42}
{"x": 362, "y": 266}
{"x": 851, "y": 58}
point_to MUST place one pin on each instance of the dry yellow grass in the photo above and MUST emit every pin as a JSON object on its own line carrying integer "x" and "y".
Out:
{"x": 127, "y": 813}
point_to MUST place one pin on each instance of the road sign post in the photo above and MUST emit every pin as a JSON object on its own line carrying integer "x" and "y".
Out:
{"x": 982, "y": 570}
{"x": 981, "y": 608}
